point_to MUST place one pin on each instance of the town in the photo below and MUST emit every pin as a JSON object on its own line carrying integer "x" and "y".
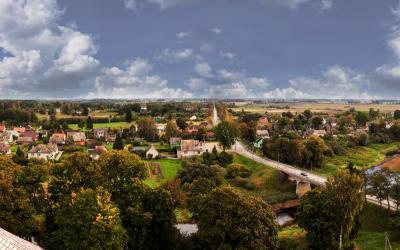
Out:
{"x": 183, "y": 150}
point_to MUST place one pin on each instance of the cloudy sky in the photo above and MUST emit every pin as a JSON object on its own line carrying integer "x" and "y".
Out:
{"x": 200, "y": 48}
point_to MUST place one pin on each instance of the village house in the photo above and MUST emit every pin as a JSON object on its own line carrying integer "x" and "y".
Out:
{"x": 31, "y": 134}
{"x": 100, "y": 133}
{"x": 190, "y": 148}
{"x": 152, "y": 153}
{"x": 19, "y": 130}
{"x": 24, "y": 140}
{"x": 44, "y": 152}
{"x": 58, "y": 138}
{"x": 97, "y": 152}
{"x": 79, "y": 138}
{"x": 319, "y": 132}
{"x": 262, "y": 133}
{"x": 111, "y": 138}
{"x": 2, "y": 128}
{"x": 6, "y": 137}
{"x": 161, "y": 128}
{"x": 5, "y": 149}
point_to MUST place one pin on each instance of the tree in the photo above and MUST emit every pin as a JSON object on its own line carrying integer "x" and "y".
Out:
{"x": 396, "y": 114}
{"x": 181, "y": 123}
{"x": 118, "y": 144}
{"x": 395, "y": 191}
{"x": 89, "y": 221}
{"x": 224, "y": 159}
{"x": 171, "y": 130}
{"x": 361, "y": 118}
{"x": 147, "y": 128}
{"x": 248, "y": 131}
{"x": 308, "y": 114}
{"x": 128, "y": 116}
{"x": 20, "y": 157}
{"x": 317, "y": 122}
{"x": 16, "y": 213}
{"x": 226, "y": 134}
{"x": 85, "y": 111}
{"x": 201, "y": 134}
{"x": 329, "y": 215}
{"x": 380, "y": 185}
{"x": 192, "y": 171}
{"x": 314, "y": 149}
{"x": 229, "y": 220}
{"x": 89, "y": 123}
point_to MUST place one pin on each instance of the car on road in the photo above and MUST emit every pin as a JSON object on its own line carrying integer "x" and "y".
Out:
{"x": 303, "y": 174}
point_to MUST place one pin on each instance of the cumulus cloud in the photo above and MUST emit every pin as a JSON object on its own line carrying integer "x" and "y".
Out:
{"x": 42, "y": 55}
{"x": 228, "y": 55}
{"x": 134, "y": 81}
{"x": 172, "y": 56}
{"x": 326, "y": 5}
{"x": 164, "y": 4}
{"x": 131, "y": 4}
{"x": 334, "y": 83}
{"x": 229, "y": 90}
{"x": 183, "y": 34}
{"x": 216, "y": 30}
{"x": 196, "y": 83}
{"x": 203, "y": 69}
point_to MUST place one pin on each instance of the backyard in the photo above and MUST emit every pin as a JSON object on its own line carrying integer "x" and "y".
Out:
{"x": 169, "y": 169}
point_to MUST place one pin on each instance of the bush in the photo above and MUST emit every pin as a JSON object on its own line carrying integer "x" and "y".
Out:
{"x": 243, "y": 183}
{"x": 237, "y": 170}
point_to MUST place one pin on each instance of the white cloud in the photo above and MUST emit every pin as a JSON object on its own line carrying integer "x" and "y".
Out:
{"x": 228, "y": 55}
{"x": 131, "y": 4}
{"x": 229, "y": 90}
{"x": 43, "y": 56}
{"x": 172, "y": 56}
{"x": 285, "y": 3}
{"x": 203, "y": 69}
{"x": 196, "y": 83}
{"x": 334, "y": 83}
{"x": 182, "y": 34}
{"x": 288, "y": 93}
{"x": 164, "y": 4}
{"x": 326, "y": 5}
{"x": 134, "y": 81}
{"x": 216, "y": 30}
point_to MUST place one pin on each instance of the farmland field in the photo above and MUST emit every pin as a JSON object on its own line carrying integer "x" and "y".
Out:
{"x": 104, "y": 125}
{"x": 315, "y": 107}
{"x": 169, "y": 168}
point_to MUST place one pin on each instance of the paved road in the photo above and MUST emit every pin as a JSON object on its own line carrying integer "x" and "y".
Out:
{"x": 292, "y": 171}
{"x": 295, "y": 172}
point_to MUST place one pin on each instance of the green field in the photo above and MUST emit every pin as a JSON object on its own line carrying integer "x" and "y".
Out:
{"x": 375, "y": 221}
{"x": 169, "y": 167}
{"x": 363, "y": 157}
{"x": 103, "y": 125}
{"x": 270, "y": 186}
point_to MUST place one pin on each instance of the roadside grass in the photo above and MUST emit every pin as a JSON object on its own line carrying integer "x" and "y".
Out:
{"x": 169, "y": 168}
{"x": 362, "y": 157}
{"x": 269, "y": 184}
{"x": 293, "y": 237}
{"x": 375, "y": 221}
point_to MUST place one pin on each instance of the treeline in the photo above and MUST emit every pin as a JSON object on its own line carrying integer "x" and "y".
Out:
{"x": 17, "y": 116}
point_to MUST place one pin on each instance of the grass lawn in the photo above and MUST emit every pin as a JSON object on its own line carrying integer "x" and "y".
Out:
{"x": 269, "y": 183}
{"x": 169, "y": 167}
{"x": 375, "y": 221}
{"x": 293, "y": 237}
{"x": 362, "y": 157}
{"x": 103, "y": 125}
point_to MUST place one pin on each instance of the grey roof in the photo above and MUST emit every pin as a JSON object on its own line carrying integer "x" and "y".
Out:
{"x": 9, "y": 241}
{"x": 44, "y": 149}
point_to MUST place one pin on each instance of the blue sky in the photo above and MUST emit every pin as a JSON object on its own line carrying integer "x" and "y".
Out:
{"x": 200, "y": 48}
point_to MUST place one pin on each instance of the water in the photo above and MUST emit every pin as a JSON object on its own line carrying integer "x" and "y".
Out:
{"x": 283, "y": 218}
{"x": 215, "y": 116}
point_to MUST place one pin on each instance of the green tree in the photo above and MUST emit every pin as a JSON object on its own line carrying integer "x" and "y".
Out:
{"x": 333, "y": 211}
{"x": 16, "y": 213}
{"x": 128, "y": 115}
{"x": 229, "y": 220}
{"x": 192, "y": 171}
{"x": 89, "y": 221}
{"x": 361, "y": 118}
{"x": 20, "y": 157}
{"x": 171, "y": 130}
{"x": 317, "y": 122}
{"x": 314, "y": 149}
{"x": 118, "y": 144}
{"x": 248, "y": 131}
{"x": 181, "y": 123}
{"x": 89, "y": 123}
{"x": 224, "y": 159}
{"x": 226, "y": 134}
{"x": 396, "y": 114}
{"x": 147, "y": 129}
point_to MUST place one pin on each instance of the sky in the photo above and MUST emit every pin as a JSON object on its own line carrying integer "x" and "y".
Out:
{"x": 312, "y": 49}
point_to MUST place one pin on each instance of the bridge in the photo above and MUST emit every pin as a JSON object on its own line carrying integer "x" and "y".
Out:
{"x": 303, "y": 178}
